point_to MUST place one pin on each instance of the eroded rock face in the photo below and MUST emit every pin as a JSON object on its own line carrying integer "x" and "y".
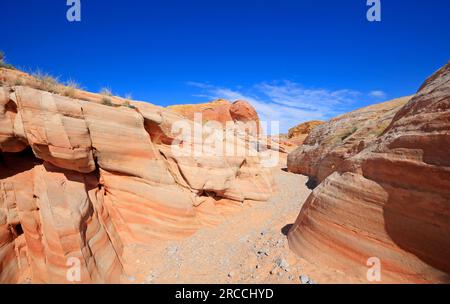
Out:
{"x": 390, "y": 201}
{"x": 330, "y": 144}
{"x": 83, "y": 180}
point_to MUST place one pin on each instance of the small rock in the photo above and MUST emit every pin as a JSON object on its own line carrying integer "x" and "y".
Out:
{"x": 230, "y": 275}
{"x": 257, "y": 266}
{"x": 244, "y": 239}
{"x": 150, "y": 277}
{"x": 282, "y": 263}
{"x": 263, "y": 251}
{"x": 171, "y": 250}
{"x": 304, "y": 279}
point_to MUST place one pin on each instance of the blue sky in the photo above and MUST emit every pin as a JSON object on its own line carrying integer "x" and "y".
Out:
{"x": 294, "y": 60}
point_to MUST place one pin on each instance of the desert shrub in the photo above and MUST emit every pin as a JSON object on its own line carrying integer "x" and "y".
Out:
{"x": 106, "y": 92}
{"x": 70, "y": 88}
{"x": 106, "y": 98}
{"x": 6, "y": 65}
{"x": 128, "y": 104}
{"x": 18, "y": 81}
{"x": 3, "y": 63}
{"x": 107, "y": 101}
{"x": 46, "y": 82}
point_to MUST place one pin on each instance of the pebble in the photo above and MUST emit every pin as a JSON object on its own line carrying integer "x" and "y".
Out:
{"x": 263, "y": 251}
{"x": 304, "y": 279}
{"x": 282, "y": 263}
{"x": 172, "y": 249}
{"x": 150, "y": 277}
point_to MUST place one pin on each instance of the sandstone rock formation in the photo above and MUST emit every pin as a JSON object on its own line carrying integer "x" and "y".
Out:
{"x": 387, "y": 198}
{"x": 330, "y": 144}
{"x": 241, "y": 113}
{"x": 239, "y": 117}
{"x": 84, "y": 180}
{"x": 304, "y": 129}
{"x": 296, "y": 135}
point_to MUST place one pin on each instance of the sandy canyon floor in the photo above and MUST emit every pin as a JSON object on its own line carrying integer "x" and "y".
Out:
{"x": 250, "y": 246}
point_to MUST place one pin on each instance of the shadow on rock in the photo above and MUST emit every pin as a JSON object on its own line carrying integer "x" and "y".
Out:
{"x": 285, "y": 229}
{"x": 311, "y": 183}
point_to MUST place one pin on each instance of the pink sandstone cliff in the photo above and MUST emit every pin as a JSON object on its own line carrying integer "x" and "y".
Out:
{"x": 389, "y": 199}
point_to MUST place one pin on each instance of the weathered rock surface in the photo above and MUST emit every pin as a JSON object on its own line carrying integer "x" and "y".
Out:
{"x": 330, "y": 144}
{"x": 391, "y": 200}
{"x": 83, "y": 180}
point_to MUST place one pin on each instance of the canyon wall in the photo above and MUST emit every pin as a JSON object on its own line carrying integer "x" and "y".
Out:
{"x": 328, "y": 145}
{"x": 81, "y": 180}
{"x": 386, "y": 198}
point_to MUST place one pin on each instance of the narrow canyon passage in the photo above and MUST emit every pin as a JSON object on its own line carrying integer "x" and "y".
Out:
{"x": 249, "y": 246}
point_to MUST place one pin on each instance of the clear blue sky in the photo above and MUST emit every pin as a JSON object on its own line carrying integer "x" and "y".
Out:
{"x": 295, "y": 59}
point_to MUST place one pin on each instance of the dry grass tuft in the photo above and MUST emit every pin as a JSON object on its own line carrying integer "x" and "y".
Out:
{"x": 47, "y": 82}
{"x": 71, "y": 88}
{"x": 106, "y": 92}
{"x": 4, "y": 64}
